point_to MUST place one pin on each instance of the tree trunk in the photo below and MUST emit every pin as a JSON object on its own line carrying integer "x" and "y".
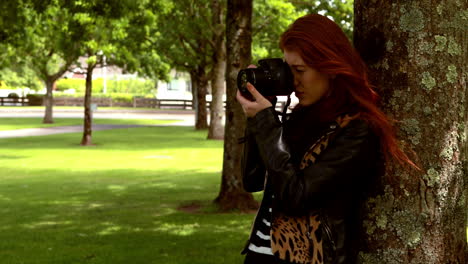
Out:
{"x": 239, "y": 39}
{"x": 49, "y": 101}
{"x": 417, "y": 55}
{"x": 216, "y": 129}
{"x": 201, "y": 110}
{"x": 194, "y": 85}
{"x": 88, "y": 115}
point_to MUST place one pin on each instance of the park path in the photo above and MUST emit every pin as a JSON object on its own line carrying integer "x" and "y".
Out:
{"x": 184, "y": 118}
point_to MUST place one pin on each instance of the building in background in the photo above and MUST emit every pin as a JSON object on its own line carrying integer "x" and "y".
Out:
{"x": 179, "y": 87}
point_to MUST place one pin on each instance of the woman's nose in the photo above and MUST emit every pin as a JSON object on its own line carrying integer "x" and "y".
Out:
{"x": 296, "y": 80}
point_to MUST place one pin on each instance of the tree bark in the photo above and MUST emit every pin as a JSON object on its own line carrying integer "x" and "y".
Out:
{"x": 88, "y": 115}
{"x": 417, "y": 56}
{"x": 201, "y": 111}
{"x": 239, "y": 39}
{"x": 49, "y": 101}
{"x": 49, "y": 80}
{"x": 193, "y": 81}
{"x": 216, "y": 129}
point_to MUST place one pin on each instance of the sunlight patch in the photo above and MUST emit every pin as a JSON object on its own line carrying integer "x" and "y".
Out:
{"x": 179, "y": 230}
{"x": 116, "y": 187}
{"x": 110, "y": 230}
{"x": 168, "y": 185}
{"x": 3, "y": 198}
{"x": 46, "y": 224}
{"x": 95, "y": 205}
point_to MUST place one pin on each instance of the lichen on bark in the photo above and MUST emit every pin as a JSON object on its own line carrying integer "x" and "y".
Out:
{"x": 424, "y": 88}
{"x": 441, "y": 43}
{"x": 411, "y": 128}
{"x": 451, "y": 74}
{"x": 432, "y": 177}
{"x": 412, "y": 20}
{"x": 407, "y": 226}
{"x": 379, "y": 207}
{"x": 428, "y": 81}
{"x": 453, "y": 47}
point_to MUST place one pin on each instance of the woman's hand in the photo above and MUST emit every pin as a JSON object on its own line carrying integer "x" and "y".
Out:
{"x": 251, "y": 108}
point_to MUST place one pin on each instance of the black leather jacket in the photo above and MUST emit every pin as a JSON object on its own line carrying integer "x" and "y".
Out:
{"x": 335, "y": 184}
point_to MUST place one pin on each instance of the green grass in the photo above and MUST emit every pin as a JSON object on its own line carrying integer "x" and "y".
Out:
{"x": 33, "y": 122}
{"x": 115, "y": 202}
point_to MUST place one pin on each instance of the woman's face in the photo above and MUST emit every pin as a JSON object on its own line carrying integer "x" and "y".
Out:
{"x": 309, "y": 84}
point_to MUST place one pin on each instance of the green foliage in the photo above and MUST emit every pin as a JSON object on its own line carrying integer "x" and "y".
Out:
{"x": 269, "y": 20}
{"x": 116, "y": 97}
{"x": 140, "y": 36}
{"x": 139, "y": 87}
{"x": 187, "y": 43}
{"x": 50, "y": 35}
{"x": 19, "y": 77}
{"x": 340, "y": 11}
{"x": 132, "y": 86}
{"x": 48, "y": 45}
{"x": 67, "y": 84}
{"x": 119, "y": 97}
{"x": 120, "y": 31}
{"x": 272, "y": 17}
{"x": 11, "y": 31}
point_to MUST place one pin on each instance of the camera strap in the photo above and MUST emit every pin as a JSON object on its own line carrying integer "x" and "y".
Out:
{"x": 285, "y": 109}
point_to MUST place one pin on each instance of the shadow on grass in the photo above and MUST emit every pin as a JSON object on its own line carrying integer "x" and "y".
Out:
{"x": 131, "y": 217}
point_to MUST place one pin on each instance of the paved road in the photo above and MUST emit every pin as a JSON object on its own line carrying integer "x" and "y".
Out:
{"x": 184, "y": 118}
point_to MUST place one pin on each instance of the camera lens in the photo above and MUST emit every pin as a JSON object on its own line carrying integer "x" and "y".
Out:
{"x": 272, "y": 77}
{"x": 243, "y": 77}
{"x": 242, "y": 80}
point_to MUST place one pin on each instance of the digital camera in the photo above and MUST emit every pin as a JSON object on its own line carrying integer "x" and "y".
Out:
{"x": 272, "y": 77}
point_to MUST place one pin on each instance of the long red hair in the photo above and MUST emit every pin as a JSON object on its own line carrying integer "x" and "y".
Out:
{"x": 323, "y": 46}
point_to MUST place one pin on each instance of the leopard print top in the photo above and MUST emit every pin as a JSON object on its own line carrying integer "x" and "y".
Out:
{"x": 289, "y": 243}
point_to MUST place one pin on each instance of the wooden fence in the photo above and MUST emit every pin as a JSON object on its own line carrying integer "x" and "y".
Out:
{"x": 136, "y": 103}
{"x": 103, "y": 102}
{"x": 14, "y": 101}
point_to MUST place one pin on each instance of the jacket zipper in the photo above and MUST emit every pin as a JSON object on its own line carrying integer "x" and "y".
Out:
{"x": 329, "y": 234}
{"x": 330, "y": 237}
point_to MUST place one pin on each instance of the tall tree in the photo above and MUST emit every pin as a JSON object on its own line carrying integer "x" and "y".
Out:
{"x": 239, "y": 41}
{"x": 417, "y": 55}
{"x": 107, "y": 29}
{"x": 48, "y": 45}
{"x": 216, "y": 127}
{"x": 197, "y": 46}
{"x": 188, "y": 46}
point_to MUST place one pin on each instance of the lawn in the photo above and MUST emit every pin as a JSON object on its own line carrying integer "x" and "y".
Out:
{"x": 115, "y": 202}
{"x": 33, "y": 122}
{"x": 81, "y": 108}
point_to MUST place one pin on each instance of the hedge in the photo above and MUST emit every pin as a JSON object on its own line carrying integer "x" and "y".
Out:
{"x": 140, "y": 87}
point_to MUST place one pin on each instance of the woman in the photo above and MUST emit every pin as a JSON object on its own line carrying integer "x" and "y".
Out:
{"x": 315, "y": 166}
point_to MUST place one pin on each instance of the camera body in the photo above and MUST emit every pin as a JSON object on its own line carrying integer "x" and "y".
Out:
{"x": 273, "y": 77}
